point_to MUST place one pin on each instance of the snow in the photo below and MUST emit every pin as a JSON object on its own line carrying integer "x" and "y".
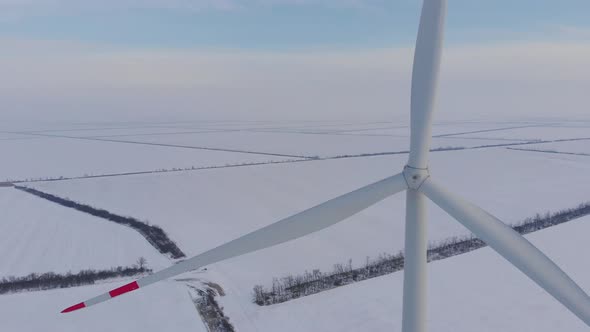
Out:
{"x": 308, "y": 144}
{"x": 478, "y": 291}
{"x": 119, "y": 131}
{"x": 443, "y": 128}
{"x": 39, "y": 236}
{"x": 161, "y": 307}
{"x": 55, "y": 157}
{"x": 582, "y": 147}
{"x": 539, "y": 132}
{"x": 294, "y": 126}
{"x": 11, "y": 136}
{"x": 203, "y": 209}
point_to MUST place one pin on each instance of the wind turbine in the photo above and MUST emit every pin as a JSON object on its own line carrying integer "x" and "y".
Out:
{"x": 416, "y": 180}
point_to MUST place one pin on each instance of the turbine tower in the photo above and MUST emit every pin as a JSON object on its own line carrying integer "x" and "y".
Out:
{"x": 416, "y": 180}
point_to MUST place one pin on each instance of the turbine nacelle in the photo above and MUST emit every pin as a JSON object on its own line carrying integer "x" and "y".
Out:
{"x": 415, "y": 177}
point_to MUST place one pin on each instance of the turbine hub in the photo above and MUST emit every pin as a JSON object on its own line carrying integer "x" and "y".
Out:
{"x": 415, "y": 177}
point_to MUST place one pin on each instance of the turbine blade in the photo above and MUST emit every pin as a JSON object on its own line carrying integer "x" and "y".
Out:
{"x": 296, "y": 226}
{"x": 425, "y": 78}
{"x": 514, "y": 248}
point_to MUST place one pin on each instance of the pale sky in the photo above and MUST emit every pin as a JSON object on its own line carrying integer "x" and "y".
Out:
{"x": 286, "y": 59}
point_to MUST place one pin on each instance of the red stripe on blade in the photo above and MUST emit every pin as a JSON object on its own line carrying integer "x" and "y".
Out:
{"x": 124, "y": 289}
{"x": 74, "y": 307}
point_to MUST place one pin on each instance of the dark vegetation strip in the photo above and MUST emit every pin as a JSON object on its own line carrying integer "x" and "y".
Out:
{"x": 455, "y": 148}
{"x": 26, "y": 132}
{"x": 153, "y": 234}
{"x": 529, "y": 143}
{"x": 305, "y": 159}
{"x": 50, "y": 280}
{"x": 295, "y": 130}
{"x": 292, "y": 287}
{"x": 486, "y": 130}
{"x": 196, "y": 147}
{"x": 551, "y": 151}
{"x": 171, "y": 145}
{"x": 344, "y": 132}
{"x": 210, "y": 311}
{"x": 194, "y": 168}
{"x": 202, "y": 131}
{"x": 19, "y": 138}
{"x": 162, "y": 170}
{"x": 479, "y": 138}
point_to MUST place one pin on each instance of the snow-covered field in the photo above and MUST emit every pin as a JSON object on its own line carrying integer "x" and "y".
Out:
{"x": 581, "y": 147}
{"x": 45, "y": 157}
{"x": 309, "y": 144}
{"x": 538, "y": 132}
{"x": 163, "y": 307}
{"x": 206, "y": 208}
{"x": 478, "y": 291}
{"x": 201, "y": 209}
{"x": 40, "y": 236}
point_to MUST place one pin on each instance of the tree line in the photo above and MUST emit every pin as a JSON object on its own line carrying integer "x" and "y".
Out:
{"x": 159, "y": 170}
{"x": 51, "y": 280}
{"x": 295, "y": 286}
{"x": 211, "y": 312}
{"x": 155, "y": 235}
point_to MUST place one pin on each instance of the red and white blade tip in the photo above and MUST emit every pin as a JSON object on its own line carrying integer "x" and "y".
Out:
{"x": 74, "y": 307}
{"x": 114, "y": 293}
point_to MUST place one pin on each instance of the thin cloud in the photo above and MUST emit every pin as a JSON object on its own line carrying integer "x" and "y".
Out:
{"x": 573, "y": 32}
{"x": 500, "y": 81}
{"x": 16, "y": 8}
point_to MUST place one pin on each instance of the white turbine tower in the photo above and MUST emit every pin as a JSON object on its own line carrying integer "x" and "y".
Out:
{"x": 414, "y": 178}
